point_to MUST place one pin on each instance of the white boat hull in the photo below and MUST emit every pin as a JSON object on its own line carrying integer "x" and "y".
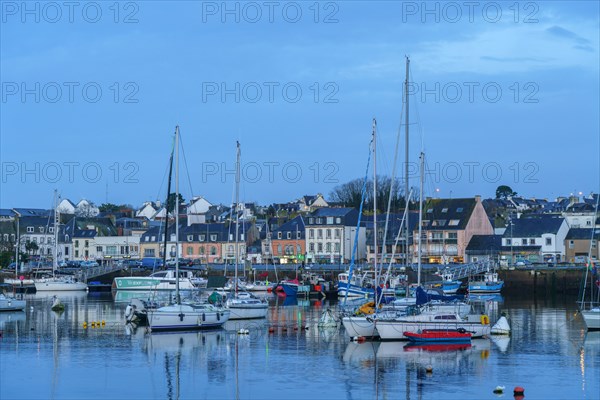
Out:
{"x": 359, "y": 327}
{"x": 241, "y": 311}
{"x": 149, "y": 283}
{"x": 57, "y": 285}
{"x": 394, "y": 329}
{"x": 592, "y": 318}
{"x": 186, "y": 317}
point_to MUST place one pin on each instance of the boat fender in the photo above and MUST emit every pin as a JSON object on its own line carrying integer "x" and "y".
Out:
{"x": 218, "y": 316}
{"x": 128, "y": 312}
{"x": 485, "y": 320}
{"x": 203, "y": 317}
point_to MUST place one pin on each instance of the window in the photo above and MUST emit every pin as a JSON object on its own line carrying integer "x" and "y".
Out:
{"x": 289, "y": 235}
{"x": 452, "y": 235}
{"x": 320, "y": 247}
{"x": 425, "y": 222}
{"x": 190, "y": 249}
{"x": 111, "y": 250}
{"x": 593, "y": 244}
{"x": 66, "y": 238}
{"x": 279, "y": 235}
{"x": 66, "y": 251}
{"x": 311, "y": 221}
{"x": 5, "y": 236}
{"x": 87, "y": 243}
{"x": 76, "y": 253}
{"x": 571, "y": 244}
{"x": 337, "y": 247}
{"x": 329, "y": 220}
{"x": 328, "y": 233}
{"x": 190, "y": 238}
{"x": 508, "y": 242}
{"x": 531, "y": 241}
{"x": 213, "y": 250}
{"x": 230, "y": 248}
{"x": 311, "y": 233}
{"x": 202, "y": 238}
{"x": 588, "y": 223}
{"x": 298, "y": 249}
{"x": 298, "y": 235}
{"x": 147, "y": 238}
{"x": 51, "y": 229}
{"x": 338, "y": 220}
{"x": 311, "y": 247}
{"x": 439, "y": 222}
{"x": 459, "y": 209}
{"x": 279, "y": 249}
{"x": 548, "y": 241}
{"x": 328, "y": 247}
{"x": 30, "y": 229}
{"x": 444, "y": 210}
{"x": 319, "y": 233}
{"x": 454, "y": 222}
{"x": 41, "y": 229}
{"x": 430, "y": 210}
{"x": 201, "y": 250}
{"x": 41, "y": 240}
{"x": 77, "y": 243}
{"x": 99, "y": 249}
{"x": 147, "y": 253}
{"x": 524, "y": 241}
{"x": 153, "y": 238}
{"x": 337, "y": 233}
{"x": 213, "y": 238}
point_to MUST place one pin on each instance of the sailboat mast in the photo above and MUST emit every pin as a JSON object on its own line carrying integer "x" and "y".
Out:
{"x": 422, "y": 157}
{"x": 237, "y": 219}
{"x": 406, "y": 180}
{"x": 56, "y": 225}
{"x": 177, "y": 296}
{"x": 376, "y": 283}
{"x": 166, "y": 224}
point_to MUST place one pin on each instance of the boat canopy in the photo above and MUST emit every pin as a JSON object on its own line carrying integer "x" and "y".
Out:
{"x": 423, "y": 297}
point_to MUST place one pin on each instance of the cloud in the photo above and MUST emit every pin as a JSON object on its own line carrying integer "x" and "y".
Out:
{"x": 564, "y": 33}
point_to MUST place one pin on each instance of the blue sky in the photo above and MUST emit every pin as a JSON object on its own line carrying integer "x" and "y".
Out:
{"x": 500, "y": 95}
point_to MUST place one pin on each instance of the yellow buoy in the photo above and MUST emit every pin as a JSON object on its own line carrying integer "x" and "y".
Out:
{"x": 103, "y": 323}
{"x": 85, "y": 325}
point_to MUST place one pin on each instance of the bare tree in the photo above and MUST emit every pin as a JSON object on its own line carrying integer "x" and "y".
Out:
{"x": 350, "y": 194}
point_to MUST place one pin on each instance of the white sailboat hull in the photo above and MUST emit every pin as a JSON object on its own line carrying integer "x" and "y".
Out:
{"x": 58, "y": 285}
{"x": 152, "y": 283}
{"x": 359, "y": 327}
{"x": 186, "y": 317}
{"x": 394, "y": 329}
{"x": 248, "y": 311}
{"x": 592, "y": 318}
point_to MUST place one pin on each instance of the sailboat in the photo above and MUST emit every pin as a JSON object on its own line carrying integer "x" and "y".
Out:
{"x": 63, "y": 283}
{"x": 184, "y": 315}
{"x": 589, "y": 303}
{"x": 242, "y": 305}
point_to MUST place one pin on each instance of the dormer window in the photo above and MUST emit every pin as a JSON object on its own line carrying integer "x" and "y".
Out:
{"x": 279, "y": 235}
{"x": 190, "y": 238}
{"x": 430, "y": 210}
{"x": 444, "y": 210}
{"x": 289, "y": 235}
{"x": 459, "y": 209}
{"x": 30, "y": 229}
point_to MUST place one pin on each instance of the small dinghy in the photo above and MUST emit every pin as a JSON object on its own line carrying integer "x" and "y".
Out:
{"x": 440, "y": 335}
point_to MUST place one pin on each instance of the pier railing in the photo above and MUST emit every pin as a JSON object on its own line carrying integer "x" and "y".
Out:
{"x": 91, "y": 273}
{"x": 466, "y": 270}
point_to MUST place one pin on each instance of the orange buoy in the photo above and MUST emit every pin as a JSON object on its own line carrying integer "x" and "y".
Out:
{"x": 519, "y": 391}
{"x": 271, "y": 330}
{"x": 361, "y": 339}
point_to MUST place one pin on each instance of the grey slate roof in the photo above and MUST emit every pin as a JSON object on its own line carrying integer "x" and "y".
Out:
{"x": 446, "y": 210}
{"x": 485, "y": 243}
{"x": 534, "y": 226}
{"x": 583, "y": 234}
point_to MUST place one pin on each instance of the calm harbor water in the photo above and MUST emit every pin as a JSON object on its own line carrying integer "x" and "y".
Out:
{"x": 47, "y": 355}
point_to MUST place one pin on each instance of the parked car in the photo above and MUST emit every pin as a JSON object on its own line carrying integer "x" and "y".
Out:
{"x": 89, "y": 264}
{"x": 152, "y": 262}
